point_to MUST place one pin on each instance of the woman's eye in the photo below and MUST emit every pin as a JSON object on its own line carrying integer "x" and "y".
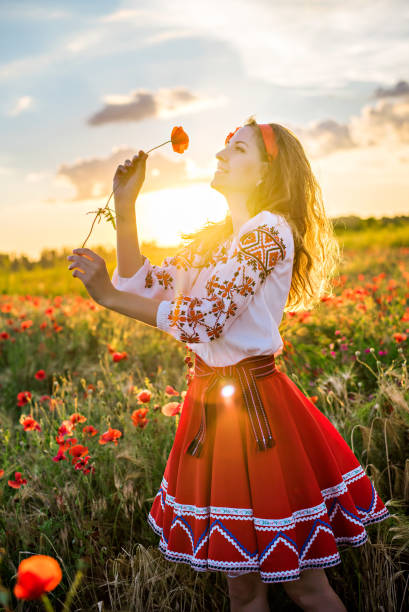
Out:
{"x": 239, "y": 148}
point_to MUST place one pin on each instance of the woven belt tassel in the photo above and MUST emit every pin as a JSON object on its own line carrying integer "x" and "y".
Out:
{"x": 246, "y": 371}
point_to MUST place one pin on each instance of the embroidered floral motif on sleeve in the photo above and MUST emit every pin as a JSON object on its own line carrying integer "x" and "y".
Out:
{"x": 162, "y": 275}
{"x": 233, "y": 281}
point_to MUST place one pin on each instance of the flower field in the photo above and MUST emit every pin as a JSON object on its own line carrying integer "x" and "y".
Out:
{"x": 89, "y": 404}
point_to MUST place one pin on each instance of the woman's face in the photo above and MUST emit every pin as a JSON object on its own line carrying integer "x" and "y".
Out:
{"x": 239, "y": 164}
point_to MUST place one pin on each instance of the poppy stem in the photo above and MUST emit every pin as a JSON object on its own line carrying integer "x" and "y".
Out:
{"x": 161, "y": 145}
{"x": 47, "y": 603}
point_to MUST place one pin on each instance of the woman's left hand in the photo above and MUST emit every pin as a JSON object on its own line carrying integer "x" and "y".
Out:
{"x": 94, "y": 276}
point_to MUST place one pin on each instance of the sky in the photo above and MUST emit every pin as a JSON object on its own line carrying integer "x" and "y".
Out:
{"x": 85, "y": 85}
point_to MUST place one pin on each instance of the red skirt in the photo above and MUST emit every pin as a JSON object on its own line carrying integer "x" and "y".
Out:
{"x": 277, "y": 510}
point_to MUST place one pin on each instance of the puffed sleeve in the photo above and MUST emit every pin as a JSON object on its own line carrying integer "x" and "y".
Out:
{"x": 229, "y": 287}
{"x": 163, "y": 282}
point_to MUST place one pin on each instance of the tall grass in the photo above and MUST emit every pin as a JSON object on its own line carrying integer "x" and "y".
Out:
{"x": 350, "y": 355}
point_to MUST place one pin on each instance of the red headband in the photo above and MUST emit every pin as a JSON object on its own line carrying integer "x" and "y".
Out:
{"x": 269, "y": 140}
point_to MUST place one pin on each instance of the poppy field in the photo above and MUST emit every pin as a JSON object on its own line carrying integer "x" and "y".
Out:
{"x": 89, "y": 404}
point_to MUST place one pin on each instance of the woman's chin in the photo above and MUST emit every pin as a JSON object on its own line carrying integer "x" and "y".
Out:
{"x": 217, "y": 185}
{"x": 218, "y": 180}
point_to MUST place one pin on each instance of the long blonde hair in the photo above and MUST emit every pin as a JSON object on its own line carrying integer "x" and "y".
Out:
{"x": 290, "y": 189}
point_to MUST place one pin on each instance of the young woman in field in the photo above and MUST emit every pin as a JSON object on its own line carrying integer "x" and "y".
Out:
{"x": 259, "y": 484}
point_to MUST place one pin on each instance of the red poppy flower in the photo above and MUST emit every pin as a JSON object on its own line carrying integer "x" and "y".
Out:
{"x": 37, "y": 575}
{"x": 171, "y": 409}
{"x": 77, "y": 452}
{"x": 29, "y": 423}
{"x": 76, "y": 417}
{"x": 180, "y": 140}
{"x": 139, "y": 417}
{"x": 40, "y": 375}
{"x": 16, "y": 484}
{"x": 89, "y": 430}
{"x": 171, "y": 391}
{"x": 119, "y": 356}
{"x": 26, "y": 324}
{"x": 111, "y": 435}
{"x": 144, "y": 396}
{"x": 23, "y": 398}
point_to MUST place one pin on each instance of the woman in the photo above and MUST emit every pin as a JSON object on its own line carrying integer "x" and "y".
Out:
{"x": 258, "y": 484}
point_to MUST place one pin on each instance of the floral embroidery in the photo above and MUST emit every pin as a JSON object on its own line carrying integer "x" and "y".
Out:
{"x": 148, "y": 280}
{"x": 165, "y": 274}
{"x": 262, "y": 247}
{"x": 234, "y": 280}
{"x": 164, "y": 278}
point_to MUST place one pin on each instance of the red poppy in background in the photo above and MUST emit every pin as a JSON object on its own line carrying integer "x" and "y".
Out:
{"x": 76, "y": 417}
{"x": 171, "y": 409}
{"x": 78, "y": 451}
{"x": 60, "y": 454}
{"x": 119, "y": 356}
{"x": 26, "y": 324}
{"x": 171, "y": 391}
{"x": 89, "y": 430}
{"x": 16, "y": 484}
{"x": 40, "y": 375}
{"x": 29, "y": 423}
{"x": 37, "y": 575}
{"x": 144, "y": 396}
{"x": 112, "y": 435}
{"x": 23, "y": 398}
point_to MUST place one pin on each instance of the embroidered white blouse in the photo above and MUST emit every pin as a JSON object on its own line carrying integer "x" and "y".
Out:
{"x": 231, "y": 308}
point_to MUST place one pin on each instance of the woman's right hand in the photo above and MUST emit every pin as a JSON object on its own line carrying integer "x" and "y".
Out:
{"x": 128, "y": 181}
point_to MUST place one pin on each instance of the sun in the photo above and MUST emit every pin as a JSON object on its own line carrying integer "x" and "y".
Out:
{"x": 163, "y": 216}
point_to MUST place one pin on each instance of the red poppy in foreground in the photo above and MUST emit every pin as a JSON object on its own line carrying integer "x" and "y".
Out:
{"x": 37, "y": 575}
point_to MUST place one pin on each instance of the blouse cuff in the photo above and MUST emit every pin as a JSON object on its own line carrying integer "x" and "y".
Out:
{"x": 162, "y": 315}
{"x": 131, "y": 283}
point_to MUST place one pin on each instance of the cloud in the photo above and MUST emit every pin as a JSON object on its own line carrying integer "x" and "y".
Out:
{"x": 21, "y": 105}
{"x": 318, "y": 44}
{"x": 142, "y": 104}
{"x": 321, "y": 138}
{"x": 93, "y": 177}
{"x": 384, "y": 123}
{"x": 401, "y": 88}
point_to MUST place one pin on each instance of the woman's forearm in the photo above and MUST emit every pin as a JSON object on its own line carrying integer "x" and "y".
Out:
{"x": 135, "y": 306}
{"x": 129, "y": 257}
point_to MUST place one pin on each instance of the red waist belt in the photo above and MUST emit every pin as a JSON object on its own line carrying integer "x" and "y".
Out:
{"x": 246, "y": 372}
